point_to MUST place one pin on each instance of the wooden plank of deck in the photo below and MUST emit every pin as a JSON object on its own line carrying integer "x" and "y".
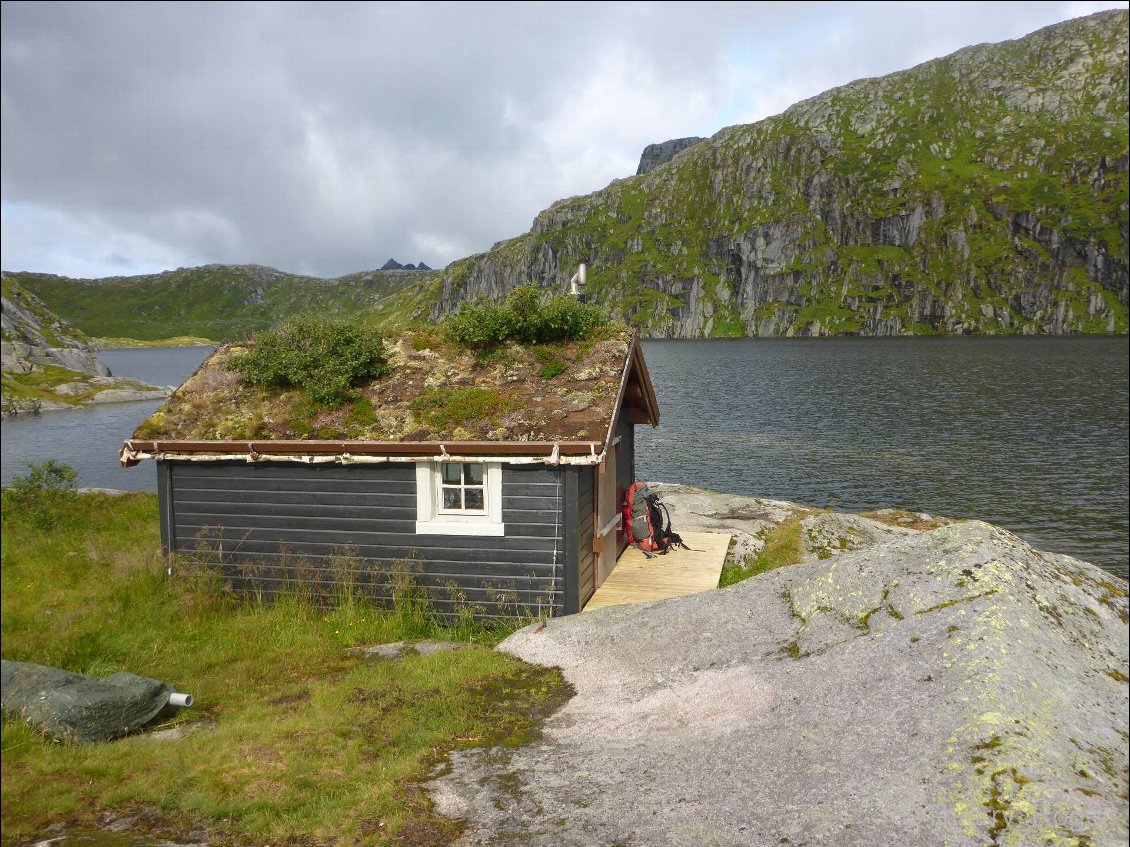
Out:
{"x": 637, "y": 579}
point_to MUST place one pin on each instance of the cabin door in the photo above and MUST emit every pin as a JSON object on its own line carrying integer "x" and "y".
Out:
{"x": 606, "y": 518}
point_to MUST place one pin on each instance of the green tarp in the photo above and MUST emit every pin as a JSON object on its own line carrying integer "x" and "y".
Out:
{"x": 73, "y": 707}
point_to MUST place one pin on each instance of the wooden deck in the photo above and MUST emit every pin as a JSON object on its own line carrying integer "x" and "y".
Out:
{"x": 637, "y": 579}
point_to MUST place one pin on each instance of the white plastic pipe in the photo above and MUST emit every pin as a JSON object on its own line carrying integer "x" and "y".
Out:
{"x": 182, "y": 701}
{"x": 577, "y": 283}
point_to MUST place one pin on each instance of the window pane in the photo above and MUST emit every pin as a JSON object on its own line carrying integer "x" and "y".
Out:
{"x": 451, "y": 498}
{"x": 473, "y": 474}
{"x": 450, "y": 473}
{"x": 474, "y": 498}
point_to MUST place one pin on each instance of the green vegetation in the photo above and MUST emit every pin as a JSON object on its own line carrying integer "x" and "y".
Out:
{"x": 782, "y": 548}
{"x": 298, "y": 742}
{"x": 40, "y": 385}
{"x": 449, "y": 406}
{"x": 44, "y": 492}
{"x": 217, "y": 301}
{"x": 523, "y": 318}
{"x": 176, "y": 341}
{"x": 323, "y": 357}
{"x": 918, "y": 203}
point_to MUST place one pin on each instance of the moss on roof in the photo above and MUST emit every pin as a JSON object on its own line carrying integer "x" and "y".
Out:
{"x": 436, "y": 391}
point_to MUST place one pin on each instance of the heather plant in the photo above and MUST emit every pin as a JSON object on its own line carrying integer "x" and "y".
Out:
{"x": 325, "y": 358}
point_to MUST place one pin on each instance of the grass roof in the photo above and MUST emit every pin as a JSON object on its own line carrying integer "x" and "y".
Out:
{"x": 435, "y": 391}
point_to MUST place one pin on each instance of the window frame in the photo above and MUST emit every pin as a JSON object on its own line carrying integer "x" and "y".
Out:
{"x": 432, "y": 519}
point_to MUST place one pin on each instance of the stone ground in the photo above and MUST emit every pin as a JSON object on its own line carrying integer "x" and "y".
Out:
{"x": 946, "y": 687}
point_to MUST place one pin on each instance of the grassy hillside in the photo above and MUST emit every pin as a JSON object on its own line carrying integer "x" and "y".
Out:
{"x": 213, "y": 302}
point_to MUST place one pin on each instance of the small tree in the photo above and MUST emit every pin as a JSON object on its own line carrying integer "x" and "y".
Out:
{"x": 44, "y": 492}
{"x": 325, "y": 358}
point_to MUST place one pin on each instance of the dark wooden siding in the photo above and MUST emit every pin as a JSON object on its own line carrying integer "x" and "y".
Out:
{"x": 586, "y": 585}
{"x": 319, "y": 528}
{"x": 625, "y": 469}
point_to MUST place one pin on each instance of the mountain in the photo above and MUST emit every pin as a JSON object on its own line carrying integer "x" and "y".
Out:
{"x": 45, "y": 363}
{"x": 393, "y": 265}
{"x": 213, "y": 301}
{"x": 983, "y": 192}
{"x": 655, "y": 155}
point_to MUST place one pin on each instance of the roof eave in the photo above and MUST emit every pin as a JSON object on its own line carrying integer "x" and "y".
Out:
{"x": 134, "y": 449}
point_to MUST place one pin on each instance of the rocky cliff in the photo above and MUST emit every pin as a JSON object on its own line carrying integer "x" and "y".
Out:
{"x": 47, "y": 364}
{"x": 655, "y": 155}
{"x": 952, "y": 686}
{"x": 33, "y": 336}
{"x": 983, "y": 192}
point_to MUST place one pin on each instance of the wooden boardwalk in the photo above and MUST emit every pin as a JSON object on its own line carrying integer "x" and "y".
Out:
{"x": 637, "y": 579}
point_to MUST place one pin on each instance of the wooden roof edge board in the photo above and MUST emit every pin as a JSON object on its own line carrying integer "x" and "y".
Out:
{"x": 635, "y": 365}
{"x": 134, "y": 449}
{"x": 643, "y": 378}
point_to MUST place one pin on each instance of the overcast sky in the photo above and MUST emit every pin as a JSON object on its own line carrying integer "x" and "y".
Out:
{"x": 326, "y": 138}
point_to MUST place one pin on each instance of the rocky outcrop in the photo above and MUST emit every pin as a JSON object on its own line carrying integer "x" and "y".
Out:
{"x": 393, "y": 265}
{"x": 948, "y": 687}
{"x": 48, "y": 365}
{"x": 984, "y": 192}
{"x": 32, "y": 337}
{"x": 655, "y": 155}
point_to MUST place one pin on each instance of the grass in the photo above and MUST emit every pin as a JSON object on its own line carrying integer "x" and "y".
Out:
{"x": 40, "y": 385}
{"x": 304, "y": 743}
{"x": 178, "y": 341}
{"x": 213, "y": 301}
{"x": 451, "y": 406}
{"x": 782, "y": 548}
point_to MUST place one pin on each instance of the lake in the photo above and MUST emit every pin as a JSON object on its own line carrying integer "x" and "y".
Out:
{"x": 1028, "y": 433}
{"x": 89, "y": 439}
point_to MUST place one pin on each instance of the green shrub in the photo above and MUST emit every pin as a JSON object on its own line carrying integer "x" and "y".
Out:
{"x": 522, "y": 317}
{"x": 551, "y": 369}
{"x": 324, "y": 358}
{"x": 44, "y": 492}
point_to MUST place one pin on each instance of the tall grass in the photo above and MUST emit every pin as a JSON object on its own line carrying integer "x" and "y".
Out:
{"x": 301, "y": 741}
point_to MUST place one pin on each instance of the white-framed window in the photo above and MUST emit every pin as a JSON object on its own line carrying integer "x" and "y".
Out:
{"x": 459, "y": 498}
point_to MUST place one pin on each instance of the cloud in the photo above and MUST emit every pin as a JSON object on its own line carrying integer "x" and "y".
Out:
{"x": 325, "y": 138}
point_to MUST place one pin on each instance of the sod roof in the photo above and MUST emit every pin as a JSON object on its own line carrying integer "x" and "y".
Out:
{"x": 435, "y": 392}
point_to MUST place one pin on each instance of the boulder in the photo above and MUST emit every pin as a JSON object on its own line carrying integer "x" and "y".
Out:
{"x": 829, "y": 533}
{"x": 947, "y": 687}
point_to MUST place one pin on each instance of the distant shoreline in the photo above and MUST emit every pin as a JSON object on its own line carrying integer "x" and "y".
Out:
{"x": 177, "y": 341}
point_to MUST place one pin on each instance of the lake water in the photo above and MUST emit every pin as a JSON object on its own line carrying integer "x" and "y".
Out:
{"x": 1028, "y": 433}
{"x": 89, "y": 439}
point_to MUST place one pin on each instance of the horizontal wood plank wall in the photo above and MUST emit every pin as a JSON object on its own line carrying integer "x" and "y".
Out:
{"x": 320, "y": 528}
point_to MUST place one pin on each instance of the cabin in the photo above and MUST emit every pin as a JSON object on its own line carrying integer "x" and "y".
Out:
{"x": 493, "y": 482}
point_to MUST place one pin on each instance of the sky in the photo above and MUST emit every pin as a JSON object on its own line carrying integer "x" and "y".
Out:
{"x": 326, "y": 138}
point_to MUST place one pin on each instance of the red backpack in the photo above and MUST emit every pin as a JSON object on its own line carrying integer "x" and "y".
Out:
{"x": 643, "y": 521}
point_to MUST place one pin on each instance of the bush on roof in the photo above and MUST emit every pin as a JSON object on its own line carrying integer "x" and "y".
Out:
{"x": 523, "y": 317}
{"x": 325, "y": 358}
